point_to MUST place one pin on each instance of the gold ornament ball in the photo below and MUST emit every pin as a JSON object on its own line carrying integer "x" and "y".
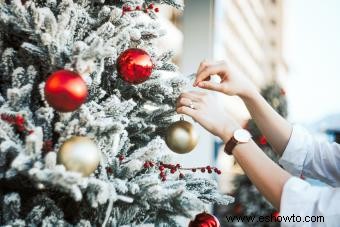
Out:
{"x": 79, "y": 154}
{"x": 181, "y": 137}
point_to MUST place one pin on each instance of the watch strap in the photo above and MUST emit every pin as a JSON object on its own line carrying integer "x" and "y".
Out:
{"x": 230, "y": 145}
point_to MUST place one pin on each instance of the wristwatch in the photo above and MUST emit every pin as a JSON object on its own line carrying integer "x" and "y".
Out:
{"x": 239, "y": 136}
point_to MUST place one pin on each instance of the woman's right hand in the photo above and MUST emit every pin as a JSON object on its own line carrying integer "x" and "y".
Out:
{"x": 230, "y": 84}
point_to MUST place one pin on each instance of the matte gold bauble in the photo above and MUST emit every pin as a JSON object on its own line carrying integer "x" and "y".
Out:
{"x": 181, "y": 137}
{"x": 79, "y": 154}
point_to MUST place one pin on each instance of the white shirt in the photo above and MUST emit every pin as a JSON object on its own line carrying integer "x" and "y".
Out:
{"x": 315, "y": 159}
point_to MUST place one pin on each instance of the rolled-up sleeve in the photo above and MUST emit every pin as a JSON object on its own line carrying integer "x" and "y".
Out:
{"x": 311, "y": 157}
{"x": 310, "y": 205}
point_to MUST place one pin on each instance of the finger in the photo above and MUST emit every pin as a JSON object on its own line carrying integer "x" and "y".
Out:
{"x": 210, "y": 70}
{"x": 187, "y": 102}
{"x": 201, "y": 67}
{"x": 183, "y": 102}
{"x": 193, "y": 96}
{"x": 187, "y": 111}
{"x": 211, "y": 86}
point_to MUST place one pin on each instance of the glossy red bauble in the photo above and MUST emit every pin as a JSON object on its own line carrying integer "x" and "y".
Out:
{"x": 276, "y": 214}
{"x": 65, "y": 90}
{"x": 204, "y": 220}
{"x": 134, "y": 65}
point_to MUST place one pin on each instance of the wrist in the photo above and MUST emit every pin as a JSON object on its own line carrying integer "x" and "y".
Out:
{"x": 252, "y": 99}
{"x": 228, "y": 133}
{"x": 240, "y": 136}
{"x": 250, "y": 95}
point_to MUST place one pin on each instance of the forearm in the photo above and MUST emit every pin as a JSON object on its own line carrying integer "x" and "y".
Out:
{"x": 275, "y": 128}
{"x": 267, "y": 176}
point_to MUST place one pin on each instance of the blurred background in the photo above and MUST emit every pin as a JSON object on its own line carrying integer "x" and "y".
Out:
{"x": 295, "y": 44}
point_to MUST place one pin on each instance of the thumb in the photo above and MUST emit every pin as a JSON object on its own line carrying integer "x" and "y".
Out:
{"x": 210, "y": 85}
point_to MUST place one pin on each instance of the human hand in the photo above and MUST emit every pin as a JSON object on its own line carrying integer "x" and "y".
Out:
{"x": 231, "y": 84}
{"x": 202, "y": 107}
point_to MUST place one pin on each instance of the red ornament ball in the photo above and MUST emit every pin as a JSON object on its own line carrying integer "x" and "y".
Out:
{"x": 276, "y": 214}
{"x": 65, "y": 90}
{"x": 204, "y": 220}
{"x": 134, "y": 65}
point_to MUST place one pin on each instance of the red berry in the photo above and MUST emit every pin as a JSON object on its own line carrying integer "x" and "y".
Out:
{"x": 208, "y": 167}
{"x": 209, "y": 171}
{"x": 21, "y": 128}
{"x": 30, "y": 132}
{"x": 215, "y": 170}
{"x": 151, "y": 164}
{"x": 47, "y": 146}
{"x": 161, "y": 168}
{"x": 126, "y": 8}
{"x": 181, "y": 176}
{"x": 138, "y": 7}
{"x": 193, "y": 170}
{"x": 162, "y": 174}
{"x": 163, "y": 178}
{"x": 121, "y": 157}
{"x": 178, "y": 165}
{"x": 109, "y": 170}
{"x": 146, "y": 165}
{"x": 263, "y": 140}
{"x": 173, "y": 170}
{"x": 203, "y": 170}
{"x": 19, "y": 120}
{"x": 156, "y": 10}
{"x": 219, "y": 172}
{"x": 151, "y": 6}
{"x": 145, "y": 10}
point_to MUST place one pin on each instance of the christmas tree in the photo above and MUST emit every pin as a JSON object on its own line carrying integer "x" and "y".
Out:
{"x": 248, "y": 200}
{"x": 85, "y": 100}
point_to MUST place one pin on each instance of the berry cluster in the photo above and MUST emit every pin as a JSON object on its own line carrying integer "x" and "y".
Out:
{"x": 17, "y": 120}
{"x": 162, "y": 167}
{"x": 145, "y": 8}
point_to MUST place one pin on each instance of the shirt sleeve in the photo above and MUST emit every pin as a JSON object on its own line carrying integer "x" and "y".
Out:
{"x": 311, "y": 157}
{"x": 310, "y": 205}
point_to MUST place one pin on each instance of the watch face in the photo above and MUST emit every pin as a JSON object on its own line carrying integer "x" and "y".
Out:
{"x": 242, "y": 135}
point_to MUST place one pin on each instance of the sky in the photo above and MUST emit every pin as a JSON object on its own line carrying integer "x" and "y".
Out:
{"x": 312, "y": 52}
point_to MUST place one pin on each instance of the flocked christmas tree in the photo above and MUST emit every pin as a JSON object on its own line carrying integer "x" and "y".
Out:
{"x": 248, "y": 200}
{"x": 85, "y": 100}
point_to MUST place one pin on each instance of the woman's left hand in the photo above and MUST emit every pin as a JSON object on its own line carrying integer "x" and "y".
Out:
{"x": 204, "y": 109}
